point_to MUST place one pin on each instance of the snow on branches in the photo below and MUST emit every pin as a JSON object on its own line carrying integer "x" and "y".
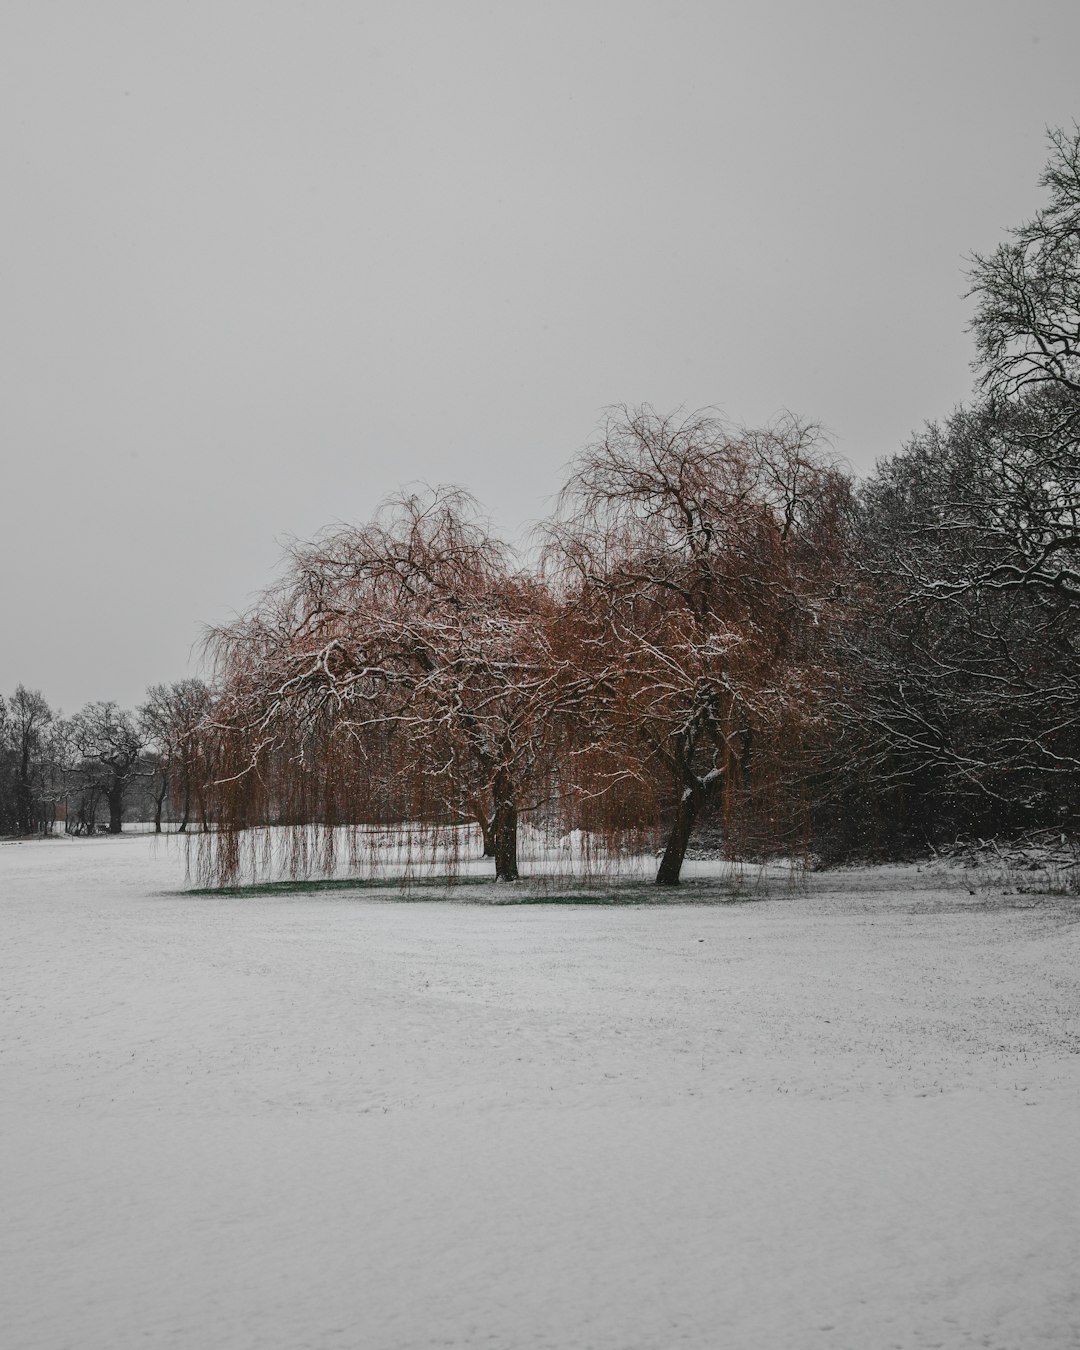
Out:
{"x": 411, "y": 670}
{"x": 698, "y": 560}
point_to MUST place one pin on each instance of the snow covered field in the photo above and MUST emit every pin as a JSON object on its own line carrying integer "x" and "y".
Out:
{"x": 846, "y": 1117}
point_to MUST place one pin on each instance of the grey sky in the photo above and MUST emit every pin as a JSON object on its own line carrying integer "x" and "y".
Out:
{"x": 262, "y": 262}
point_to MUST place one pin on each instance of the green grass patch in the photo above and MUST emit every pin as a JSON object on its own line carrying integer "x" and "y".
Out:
{"x": 322, "y": 885}
{"x": 527, "y": 891}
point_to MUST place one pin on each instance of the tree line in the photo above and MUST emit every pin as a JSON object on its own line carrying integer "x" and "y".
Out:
{"x": 88, "y": 772}
{"x": 716, "y": 624}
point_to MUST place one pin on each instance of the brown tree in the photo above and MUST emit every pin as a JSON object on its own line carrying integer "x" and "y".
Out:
{"x": 403, "y": 671}
{"x": 699, "y": 560}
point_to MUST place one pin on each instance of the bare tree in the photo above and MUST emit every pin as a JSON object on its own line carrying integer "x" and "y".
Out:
{"x": 24, "y": 726}
{"x": 1027, "y": 329}
{"x": 108, "y": 744}
{"x": 698, "y": 558}
{"x": 403, "y": 670}
{"x": 170, "y": 721}
{"x": 962, "y": 691}
{"x": 1027, "y": 320}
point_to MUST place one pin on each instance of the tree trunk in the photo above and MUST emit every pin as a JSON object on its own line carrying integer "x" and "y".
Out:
{"x": 24, "y": 796}
{"x": 504, "y": 828}
{"x": 487, "y": 831}
{"x": 685, "y": 816}
{"x": 116, "y": 808}
{"x": 24, "y": 808}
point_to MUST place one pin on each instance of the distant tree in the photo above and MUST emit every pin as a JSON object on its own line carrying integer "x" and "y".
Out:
{"x": 24, "y": 725}
{"x": 170, "y": 721}
{"x": 7, "y": 775}
{"x": 108, "y": 745}
{"x": 59, "y": 775}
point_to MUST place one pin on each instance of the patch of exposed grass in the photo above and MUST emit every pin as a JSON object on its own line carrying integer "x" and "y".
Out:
{"x": 318, "y": 886}
{"x": 487, "y": 891}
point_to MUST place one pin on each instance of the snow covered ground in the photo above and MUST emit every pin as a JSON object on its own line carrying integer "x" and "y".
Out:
{"x": 839, "y": 1117}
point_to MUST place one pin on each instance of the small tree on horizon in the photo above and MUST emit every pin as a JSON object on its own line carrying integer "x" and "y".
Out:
{"x": 25, "y": 721}
{"x": 107, "y": 745}
{"x": 170, "y": 721}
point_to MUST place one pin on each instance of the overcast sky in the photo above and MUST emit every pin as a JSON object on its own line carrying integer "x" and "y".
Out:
{"x": 264, "y": 262}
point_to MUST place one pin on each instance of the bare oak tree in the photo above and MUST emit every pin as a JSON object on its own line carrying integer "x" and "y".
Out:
{"x": 108, "y": 746}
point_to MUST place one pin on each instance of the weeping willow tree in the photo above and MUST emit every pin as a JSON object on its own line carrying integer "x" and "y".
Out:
{"x": 403, "y": 674}
{"x": 408, "y": 676}
{"x": 700, "y": 563}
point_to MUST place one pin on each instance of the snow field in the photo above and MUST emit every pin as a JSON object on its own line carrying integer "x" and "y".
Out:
{"x": 841, "y": 1118}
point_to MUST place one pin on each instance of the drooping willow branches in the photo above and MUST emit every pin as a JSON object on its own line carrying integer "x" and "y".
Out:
{"x": 403, "y": 671}
{"x": 702, "y": 563}
{"x": 408, "y": 673}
